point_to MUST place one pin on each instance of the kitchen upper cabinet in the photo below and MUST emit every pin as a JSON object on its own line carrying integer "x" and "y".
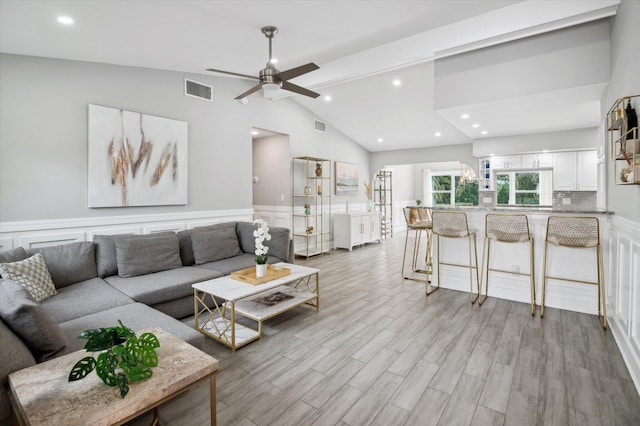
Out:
{"x": 575, "y": 171}
{"x": 587, "y": 171}
{"x": 500, "y": 162}
{"x": 535, "y": 161}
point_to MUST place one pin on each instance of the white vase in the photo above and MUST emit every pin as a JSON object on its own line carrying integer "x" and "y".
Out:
{"x": 261, "y": 270}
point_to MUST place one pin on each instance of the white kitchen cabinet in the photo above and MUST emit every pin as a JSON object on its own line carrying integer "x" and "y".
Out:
{"x": 355, "y": 228}
{"x": 501, "y": 162}
{"x": 535, "y": 161}
{"x": 575, "y": 171}
{"x": 587, "y": 171}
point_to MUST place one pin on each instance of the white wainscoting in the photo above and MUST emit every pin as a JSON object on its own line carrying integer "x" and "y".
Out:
{"x": 40, "y": 233}
{"x": 623, "y": 291}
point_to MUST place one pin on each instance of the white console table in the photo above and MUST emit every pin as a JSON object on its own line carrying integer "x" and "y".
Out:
{"x": 353, "y": 229}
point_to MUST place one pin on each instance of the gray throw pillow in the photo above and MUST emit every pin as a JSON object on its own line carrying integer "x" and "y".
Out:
{"x": 32, "y": 274}
{"x": 186, "y": 247}
{"x": 34, "y": 325}
{"x": 106, "y": 261}
{"x": 140, "y": 255}
{"x": 278, "y": 245}
{"x": 69, "y": 263}
{"x": 13, "y": 255}
{"x": 215, "y": 245}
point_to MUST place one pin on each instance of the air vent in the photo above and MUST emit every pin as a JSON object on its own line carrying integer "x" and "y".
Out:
{"x": 198, "y": 90}
{"x": 320, "y": 126}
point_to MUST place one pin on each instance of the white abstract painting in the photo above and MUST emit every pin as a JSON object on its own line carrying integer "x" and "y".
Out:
{"x": 136, "y": 159}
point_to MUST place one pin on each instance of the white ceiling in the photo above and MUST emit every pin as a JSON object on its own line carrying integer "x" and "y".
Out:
{"x": 360, "y": 46}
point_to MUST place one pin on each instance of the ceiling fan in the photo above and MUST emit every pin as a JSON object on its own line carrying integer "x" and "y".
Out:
{"x": 272, "y": 79}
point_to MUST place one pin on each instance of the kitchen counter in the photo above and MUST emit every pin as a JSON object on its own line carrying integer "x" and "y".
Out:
{"x": 521, "y": 209}
{"x": 561, "y": 261}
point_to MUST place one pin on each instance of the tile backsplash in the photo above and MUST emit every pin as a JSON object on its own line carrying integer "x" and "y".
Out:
{"x": 574, "y": 200}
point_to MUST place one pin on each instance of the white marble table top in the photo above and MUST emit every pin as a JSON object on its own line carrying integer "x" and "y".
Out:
{"x": 45, "y": 397}
{"x": 229, "y": 289}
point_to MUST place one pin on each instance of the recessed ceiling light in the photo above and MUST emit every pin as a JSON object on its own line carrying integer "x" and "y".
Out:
{"x": 274, "y": 60}
{"x": 65, "y": 20}
{"x": 545, "y": 150}
{"x": 327, "y": 98}
{"x": 464, "y": 116}
{"x": 254, "y": 132}
{"x": 397, "y": 82}
{"x": 438, "y": 134}
{"x": 380, "y": 140}
{"x": 484, "y": 132}
{"x": 475, "y": 125}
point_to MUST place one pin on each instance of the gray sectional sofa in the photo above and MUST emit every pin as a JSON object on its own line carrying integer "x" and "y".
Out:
{"x": 142, "y": 280}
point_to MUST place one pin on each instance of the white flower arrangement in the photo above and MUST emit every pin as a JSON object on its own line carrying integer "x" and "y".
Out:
{"x": 261, "y": 234}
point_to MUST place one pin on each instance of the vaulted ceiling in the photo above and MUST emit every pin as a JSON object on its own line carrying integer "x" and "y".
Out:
{"x": 360, "y": 46}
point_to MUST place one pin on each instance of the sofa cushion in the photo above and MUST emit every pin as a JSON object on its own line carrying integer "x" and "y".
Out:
{"x": 136, "y": 316}
{"x": 162, "y": 286}
{"x": 186, "y": 248}
{"x": 209, "y": 246}
{"x": 106, "y": 261}
{"x": 139, "y": 256}
{"x": 32, "y": 274}
{"x": 278, "y": 245}
{"x": 84, "y": 298}
{"x": 13, "y": 255}
{"x": 15, "y": 355}
{"x": 30, "y": 321}
{"x": 69, "y": 263}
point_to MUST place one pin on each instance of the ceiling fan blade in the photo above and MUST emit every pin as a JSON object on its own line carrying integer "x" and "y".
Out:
{"x": 234, "y": 73}
{"x": 297, "y": 89}
{"x": 250, "y": 91}
{"x": 295, "y": 72}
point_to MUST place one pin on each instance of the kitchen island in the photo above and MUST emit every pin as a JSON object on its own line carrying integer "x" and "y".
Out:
{"x": 578, "y": 264}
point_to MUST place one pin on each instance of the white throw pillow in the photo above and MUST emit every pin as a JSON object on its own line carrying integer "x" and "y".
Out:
{"x": 32, "y": 274}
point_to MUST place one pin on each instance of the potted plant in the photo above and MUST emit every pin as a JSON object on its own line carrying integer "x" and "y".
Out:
{"x": 123, "y": 357}
{"x": 261, "y": 234}
{"x": 418, "y": 202}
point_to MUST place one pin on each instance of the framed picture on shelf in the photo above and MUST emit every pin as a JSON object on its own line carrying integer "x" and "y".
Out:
{"x": 346, "y": 178}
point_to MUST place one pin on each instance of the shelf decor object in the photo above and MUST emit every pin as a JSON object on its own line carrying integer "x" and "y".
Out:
{"x": 311, "y": 206}
{"x": 624, "y": 140}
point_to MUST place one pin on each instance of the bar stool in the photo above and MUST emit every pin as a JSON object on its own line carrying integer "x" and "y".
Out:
{"x": 454, "y": 225}
{"x": 507, "y": 228}
{"x": 576, "y": 232}
{"x": 418, "y": 220}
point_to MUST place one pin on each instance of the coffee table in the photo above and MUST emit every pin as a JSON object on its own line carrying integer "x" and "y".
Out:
{"x": 219, "y": 302}
{"x": 42, "y": 395}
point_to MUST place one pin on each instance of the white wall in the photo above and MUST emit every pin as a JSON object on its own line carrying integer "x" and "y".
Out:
{"x": 43, "y": 135}
{"x": 462, "y": 153}
{"x": 571, "y": 57}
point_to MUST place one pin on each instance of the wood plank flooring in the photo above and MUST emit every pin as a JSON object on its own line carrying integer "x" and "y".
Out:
{"x": 380, "y": 353}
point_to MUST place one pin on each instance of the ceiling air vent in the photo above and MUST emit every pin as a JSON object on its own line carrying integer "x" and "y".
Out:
{"x": 320, "y": 126}
{"x": 198, "y": 90}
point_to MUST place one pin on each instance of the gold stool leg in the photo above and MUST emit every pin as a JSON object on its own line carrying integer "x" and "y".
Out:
{"x": 429, "y": 288}
{"x": 404, "y": 257}
{"x": 601, "y": 292}
{"x": 544, "y": 279}
{"x": 532, "y": 278}
{"x": 486, "y": 249}
{"x": 471, "y": 298}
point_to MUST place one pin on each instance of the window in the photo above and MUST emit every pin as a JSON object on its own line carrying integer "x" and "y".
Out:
{"x": 521, "y": 188}
{"x": 443, "y": 193}
{"x": 441, "y": 189}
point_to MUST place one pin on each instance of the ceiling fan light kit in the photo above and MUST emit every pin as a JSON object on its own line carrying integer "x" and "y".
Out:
{"x": 270, "y": 79}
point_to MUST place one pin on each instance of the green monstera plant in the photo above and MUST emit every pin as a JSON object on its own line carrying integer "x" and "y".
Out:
{"x": 123, "y": 357}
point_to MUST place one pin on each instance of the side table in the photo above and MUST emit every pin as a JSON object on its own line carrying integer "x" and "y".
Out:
{"x": 42, "y": 395}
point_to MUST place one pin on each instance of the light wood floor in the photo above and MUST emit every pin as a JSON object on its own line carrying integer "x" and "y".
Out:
{"x": 379, "y": 352}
